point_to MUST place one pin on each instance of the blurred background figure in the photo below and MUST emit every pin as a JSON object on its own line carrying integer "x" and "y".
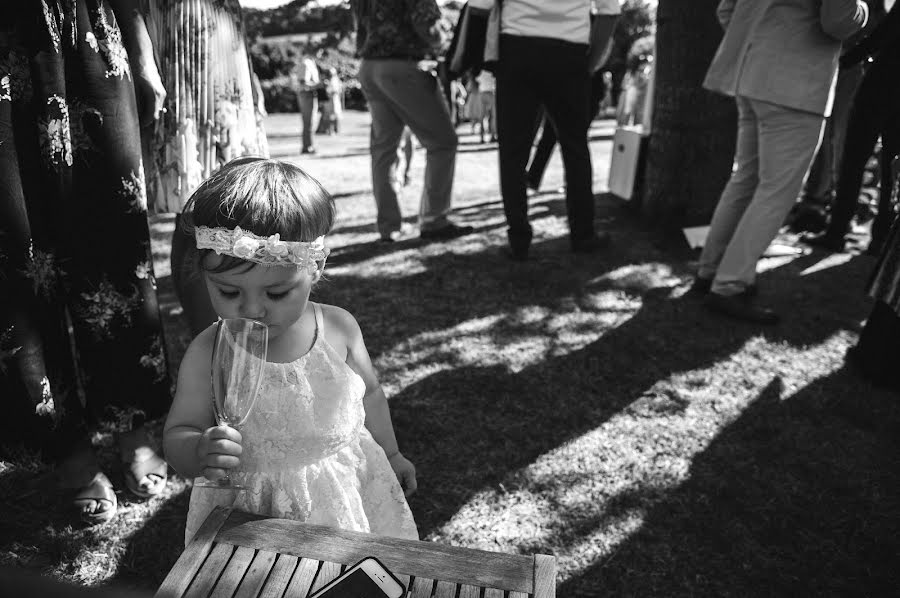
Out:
{"x": 213, "y": 113}
{"x": 487, "y": 87}
{"x": 333, "y": 104}
{"x": 405, "y": 152}
{"x": 307, "y": 83}
{"x": 639, "y": 65}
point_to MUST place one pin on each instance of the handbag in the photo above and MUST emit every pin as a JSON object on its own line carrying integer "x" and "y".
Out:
{"x": 475, "y": 43}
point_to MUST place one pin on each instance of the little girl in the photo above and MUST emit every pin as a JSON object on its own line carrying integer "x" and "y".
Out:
{"x": 319, "y": 445}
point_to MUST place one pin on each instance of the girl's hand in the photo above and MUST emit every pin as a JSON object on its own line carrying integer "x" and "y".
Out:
{"x": 149, "y": 92}
{"x": 219, "y": 450}
{"x": 405, "y": 472}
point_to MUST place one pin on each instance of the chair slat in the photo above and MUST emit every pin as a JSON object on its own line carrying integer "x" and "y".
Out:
{"x": 409, "y": 557}
{"x": 445, "y": 589}
{"x": 327, "y": 572}
{"x": 281, "y": 575}
{"x": 185, "y": 568}
{"x": 421, "y": 588}
{"x": 404, "y": 579}
{"x": 544, "y": 576}
{"x": 234, "y": 572}
{"x": 302, "y": 579}
{"x": 517, "y": 595}
{"x": 256, "y": 574}
{"x": 467, "y": 591}
{"x": 493, "y": 593}
{"x": 210, "y": 571}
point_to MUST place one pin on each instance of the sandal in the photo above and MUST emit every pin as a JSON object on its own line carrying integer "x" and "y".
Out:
{"x": 89, "y": 501}
{"x": 145, "y": 472}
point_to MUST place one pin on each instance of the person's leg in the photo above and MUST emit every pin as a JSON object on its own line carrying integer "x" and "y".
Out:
{"x": 737, "y": 193}
{"x": 492, "y": 114}
{"x": 862, "y": 131}
{"x": 541, "y": 156}
{"x": 566, "y": 95}
{"x": 818, "y": 186}
{"x": 517, "y": 111}
{"x": 408, "y": 150}
{"x": 309, "y": 105}
{"x": 847, "y": 84}
{"x": 385, "y": 134}
{"x": 416, "y": 99}
{"x": 787, "y": 142}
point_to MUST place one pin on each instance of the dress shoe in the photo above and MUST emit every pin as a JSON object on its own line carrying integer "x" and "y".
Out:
{"x": 308, "y": 150}
{"x": 702, "y": 286}
{"x": 448, "y": 231}
{"x": 591, "y": 244}
{"x": 824, "y": 241}
{"x": 740, "y": 307}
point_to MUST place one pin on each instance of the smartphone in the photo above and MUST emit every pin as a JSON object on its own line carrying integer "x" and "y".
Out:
{"x": 366, "y": 579}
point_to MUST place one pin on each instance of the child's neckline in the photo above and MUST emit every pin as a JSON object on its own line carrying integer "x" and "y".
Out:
{"x": 316, "y": 335}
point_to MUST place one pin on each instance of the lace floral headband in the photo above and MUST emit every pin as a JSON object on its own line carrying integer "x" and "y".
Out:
{"x": 269, "y": 251}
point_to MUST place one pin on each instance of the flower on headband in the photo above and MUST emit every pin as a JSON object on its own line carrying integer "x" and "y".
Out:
{"x": 269, "y": 250}
{"x": 244, "y": 246}
{"x": 276, "y": 247}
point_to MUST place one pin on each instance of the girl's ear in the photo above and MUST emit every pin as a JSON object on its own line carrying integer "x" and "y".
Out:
{"x": 317, "y": 273}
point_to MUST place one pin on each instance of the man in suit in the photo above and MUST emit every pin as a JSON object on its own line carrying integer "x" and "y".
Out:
{"x": 778, "y": 58}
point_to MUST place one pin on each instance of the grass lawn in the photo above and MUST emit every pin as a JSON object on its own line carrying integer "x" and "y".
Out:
{"x": 584, "y": 406}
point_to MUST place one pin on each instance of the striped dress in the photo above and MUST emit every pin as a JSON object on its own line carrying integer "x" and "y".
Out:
{"x": 213, "y": 106}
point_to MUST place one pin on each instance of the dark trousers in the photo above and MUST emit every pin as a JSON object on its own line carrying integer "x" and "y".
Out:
{"x": 874, "y": 110}
{"x": 548, "y": 137}
{"x": 553, "y": 73}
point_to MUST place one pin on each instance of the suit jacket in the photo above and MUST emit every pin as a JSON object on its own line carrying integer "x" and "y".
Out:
{"x": 783, "y": 51}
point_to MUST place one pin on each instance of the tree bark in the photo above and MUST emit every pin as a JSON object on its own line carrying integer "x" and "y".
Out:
{"x": 691, "y": 147}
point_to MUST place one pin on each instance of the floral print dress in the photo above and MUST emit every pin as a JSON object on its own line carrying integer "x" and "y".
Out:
{"x": 80, "y": 334}
{"x": 213, "y": 108}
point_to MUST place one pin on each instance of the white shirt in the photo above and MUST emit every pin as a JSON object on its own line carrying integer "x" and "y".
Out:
{"x": 309, "y": 74}
{"x": 567, "y": 20}
{"x": 606, "y": 7}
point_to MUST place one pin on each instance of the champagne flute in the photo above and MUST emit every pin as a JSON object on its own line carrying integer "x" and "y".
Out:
{"x": 238, "y": 359}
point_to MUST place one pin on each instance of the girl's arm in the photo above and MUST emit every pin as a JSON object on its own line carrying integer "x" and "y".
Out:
{"x": 192, "y": 442}
{"x": 378, "y": 415}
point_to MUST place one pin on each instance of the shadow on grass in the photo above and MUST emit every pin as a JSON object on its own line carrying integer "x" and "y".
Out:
{"x": 541, "y": 204}
{"x": 798, "y": 496}
{"x": 467, "y": 427}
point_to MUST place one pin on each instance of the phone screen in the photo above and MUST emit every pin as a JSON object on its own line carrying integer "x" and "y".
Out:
{"x": 355, "y": 585}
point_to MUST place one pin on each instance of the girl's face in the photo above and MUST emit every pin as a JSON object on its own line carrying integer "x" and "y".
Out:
{"x": 274, "y": 295}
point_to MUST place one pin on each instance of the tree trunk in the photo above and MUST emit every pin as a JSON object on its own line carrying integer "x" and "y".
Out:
{"x": 691, "y": 148}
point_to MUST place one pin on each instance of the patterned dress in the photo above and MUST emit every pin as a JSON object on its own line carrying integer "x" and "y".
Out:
{"x": 212, "y": 105}
{"x": 307, "y": 454}
{"x": 79, "y": 320}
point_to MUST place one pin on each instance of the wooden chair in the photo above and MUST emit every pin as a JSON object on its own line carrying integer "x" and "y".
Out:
{"x": 239, "y": 555}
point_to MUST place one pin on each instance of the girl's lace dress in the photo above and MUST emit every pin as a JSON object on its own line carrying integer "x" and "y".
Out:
{"x": 307, "y": 455}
